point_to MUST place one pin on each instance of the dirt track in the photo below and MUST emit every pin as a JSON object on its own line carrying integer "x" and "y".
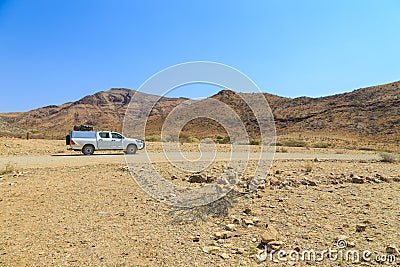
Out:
{"x": 78, "y": 159}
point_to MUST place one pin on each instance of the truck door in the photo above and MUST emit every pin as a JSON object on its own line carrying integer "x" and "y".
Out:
{"x": 104, "y": 141}
{"x": 117, "y": 140}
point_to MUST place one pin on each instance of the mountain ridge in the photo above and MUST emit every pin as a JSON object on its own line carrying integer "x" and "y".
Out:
{"x": 371, "y": 112}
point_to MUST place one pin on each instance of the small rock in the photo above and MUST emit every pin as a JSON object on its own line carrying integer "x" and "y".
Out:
{"x": 269, "y": 235}
{"x": 351, "y": 244}
{"x": 274, "y": 245}
{"x": 230, "y": 227}
{"x": 391, "y": 249}
{"x": 274, "y": 182}
{"x": 357, "y": 180}
{"x": 197, "y": 178}
{"x": 210, "y": 249}
{"x": 224, "y": 256}
{"x": 308, "y": 181}
{"x": 254, "y": 240}
{"x": 256, "y": 220}
{"x": 223, "y": 235}
{"x": 218, "y": 235}
{"x": 240, "y": 251}
{"x": 196, "y": 238}
{"x": 361, "y": 227}
{"x": 247, "y": 210}
{"x": 237, "y": 221}
{"x": 173, "y": 177}
{"x": 248, "y": 222}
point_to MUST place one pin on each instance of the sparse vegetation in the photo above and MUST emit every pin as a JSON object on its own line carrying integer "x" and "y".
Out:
{"x": 9, "y": 169}
{"x": 255, "y": 142}
{"x": 294, "y": 143}
{"x": 153, "y": 138}
{"x": 321, "y": 145}
{"x": 366, "y": 148}
{"x": 282, "y": 150}
{"x": 309, "y": 166}
{"x": 387, "y": 157}
{"x": 223, "y": 140}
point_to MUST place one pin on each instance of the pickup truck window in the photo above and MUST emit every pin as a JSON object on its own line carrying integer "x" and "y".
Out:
{"x": 116, "y": 135}
{"x": 104, "y": 135}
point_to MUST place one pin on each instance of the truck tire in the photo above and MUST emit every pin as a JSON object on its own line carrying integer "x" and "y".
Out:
{"x": 131, "y": 149}
{"x": 68, "y": 140}
{"x": 88, "y": 149}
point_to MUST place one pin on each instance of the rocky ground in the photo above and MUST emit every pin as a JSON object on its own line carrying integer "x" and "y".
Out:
{"x": 98, "y": 216}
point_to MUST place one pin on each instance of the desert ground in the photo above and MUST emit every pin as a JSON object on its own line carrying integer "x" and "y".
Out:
{"x": 60, "y": 208}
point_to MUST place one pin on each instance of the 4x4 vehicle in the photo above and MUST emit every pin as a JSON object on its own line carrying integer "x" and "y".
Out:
{"x": 89, "y": 141}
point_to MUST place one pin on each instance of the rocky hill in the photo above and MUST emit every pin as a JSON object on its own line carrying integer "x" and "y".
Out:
{"x": 372, "y": 113}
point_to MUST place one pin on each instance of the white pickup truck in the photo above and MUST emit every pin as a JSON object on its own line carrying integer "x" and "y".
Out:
{"x": 89, "y": 141}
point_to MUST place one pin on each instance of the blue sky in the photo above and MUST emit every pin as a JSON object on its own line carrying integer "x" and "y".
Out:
{"x": 52, "y": 52}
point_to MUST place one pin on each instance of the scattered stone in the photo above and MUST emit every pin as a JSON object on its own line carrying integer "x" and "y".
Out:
{"x": 254, "y": 240}
{"x": 351, "y": 244}
{"x": 120, "y": 213}
{"x": 197, "y": 178}
{"x": 317, "y": 160}
{"x": 256, "y": 220}
{"x": 196, "y": 238}
{"x": 173, "y": 177}
{"x": 247, "y": 210}
{"x": 230, "y": 227}
{"x": 240, "y": 251}
{"x": 224, "y": 256}
{"x": 308, "y": 181}
{"x": 223, "y": 235}
{"x": 269, "y": 235}
{"x": 248, "y": 222}
{"x": 210, "y": 249}
{"x": 237, "y": 221}
{"x": 357, "y": 180}
{"x": 274, "y": 182}
{"x": 361, "y": 227}
{"x": 274, "y": 245}
{"x": 392, "y": 249}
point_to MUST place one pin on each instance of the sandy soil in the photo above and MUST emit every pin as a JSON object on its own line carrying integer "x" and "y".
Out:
{"x": 94, "y": 214}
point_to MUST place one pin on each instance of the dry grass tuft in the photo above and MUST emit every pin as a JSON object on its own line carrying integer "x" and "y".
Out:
{"x": 9, "y": 169}
{"x": 387, "y": 157}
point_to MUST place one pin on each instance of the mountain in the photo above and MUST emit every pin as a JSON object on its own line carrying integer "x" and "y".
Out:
{"x": 371, "y": 113}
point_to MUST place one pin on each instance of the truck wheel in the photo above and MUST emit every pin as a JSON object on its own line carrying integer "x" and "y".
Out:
{"x": 88, "y": 149}
{"x": 131, "y": 149}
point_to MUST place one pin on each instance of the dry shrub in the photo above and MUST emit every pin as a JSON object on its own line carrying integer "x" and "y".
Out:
{"x": 387, "y": 157}
{"x": 309, "y": 166}
{"x": 9, "y": 169}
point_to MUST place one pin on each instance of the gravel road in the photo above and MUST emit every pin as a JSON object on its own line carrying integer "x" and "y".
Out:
{"x": 60, "y": 160}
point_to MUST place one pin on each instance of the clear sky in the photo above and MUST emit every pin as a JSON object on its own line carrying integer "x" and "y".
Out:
{"x": 52, "y": 52}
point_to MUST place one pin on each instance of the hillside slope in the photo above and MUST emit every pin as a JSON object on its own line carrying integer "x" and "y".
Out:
{"x": 372, "y": 112}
